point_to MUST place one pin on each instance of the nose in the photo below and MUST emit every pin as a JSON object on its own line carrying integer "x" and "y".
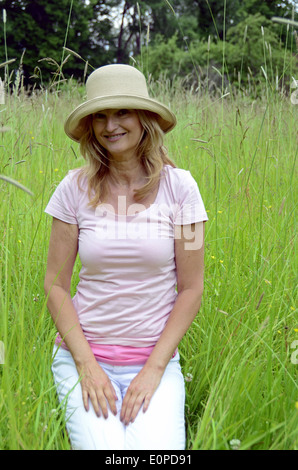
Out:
{"x": 111, "y": 123}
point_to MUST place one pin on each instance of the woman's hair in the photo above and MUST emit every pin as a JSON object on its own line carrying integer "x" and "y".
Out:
{"x": 151, "y": 153}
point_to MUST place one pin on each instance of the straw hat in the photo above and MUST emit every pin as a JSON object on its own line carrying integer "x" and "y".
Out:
{"x": 116, "y": 86}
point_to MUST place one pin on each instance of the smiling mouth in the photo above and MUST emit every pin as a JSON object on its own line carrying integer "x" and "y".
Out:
{"x": 114, "y": 137}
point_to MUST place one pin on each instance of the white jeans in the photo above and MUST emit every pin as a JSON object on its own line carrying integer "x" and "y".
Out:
{"x": 162, "y": 427}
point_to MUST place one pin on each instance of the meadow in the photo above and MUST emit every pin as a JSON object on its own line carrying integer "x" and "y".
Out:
{"x": 240, "y": 357}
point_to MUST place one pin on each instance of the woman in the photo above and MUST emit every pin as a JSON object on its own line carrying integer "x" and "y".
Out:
{"x": 136, "y": 222}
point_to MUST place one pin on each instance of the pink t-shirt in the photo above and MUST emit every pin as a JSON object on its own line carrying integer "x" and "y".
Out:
{"x": 127, "y": 283}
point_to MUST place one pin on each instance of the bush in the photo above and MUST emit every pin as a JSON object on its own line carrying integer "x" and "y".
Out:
{"x": 252, "y": 52}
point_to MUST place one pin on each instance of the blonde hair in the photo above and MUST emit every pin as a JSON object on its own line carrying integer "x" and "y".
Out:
{"x": 151, "y": 153}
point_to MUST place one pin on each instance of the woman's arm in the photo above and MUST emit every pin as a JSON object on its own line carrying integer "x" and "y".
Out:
{"x": 63, "y": 248}
{"x": 189, "y": 255}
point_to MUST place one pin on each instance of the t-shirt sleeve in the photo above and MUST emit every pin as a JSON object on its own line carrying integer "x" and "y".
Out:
{"x": 62, "y": 204}
{"x": 190, "y": 208}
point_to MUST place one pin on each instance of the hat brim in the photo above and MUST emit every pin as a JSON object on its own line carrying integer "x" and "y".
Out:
{"x": 74, "y": 124}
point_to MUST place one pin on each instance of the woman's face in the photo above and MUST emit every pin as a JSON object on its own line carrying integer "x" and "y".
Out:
{"x": 119, "y": 131}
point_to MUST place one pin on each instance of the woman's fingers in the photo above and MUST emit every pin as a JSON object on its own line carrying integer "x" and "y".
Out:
{"x": 85, "y": 397}
{"x": 130, "y": 407}
{"x": 97, "y": 389}
{"x": 107, "y": 397}
{"x": 139, "y": 392}
{"x": 133, "y": 406}
{"x": 96, "y": 403}
{"x": 112, "y": 398}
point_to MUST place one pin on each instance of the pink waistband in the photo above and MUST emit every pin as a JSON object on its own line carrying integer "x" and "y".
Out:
{"x": 116, "y": 354}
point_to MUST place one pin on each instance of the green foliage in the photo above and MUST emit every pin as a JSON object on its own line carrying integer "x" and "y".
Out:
{"x": 215, "y": 17}
{"x": 257, "y": 43}
{"x": 251, "y": 52}
{"x": 163, "y": 58}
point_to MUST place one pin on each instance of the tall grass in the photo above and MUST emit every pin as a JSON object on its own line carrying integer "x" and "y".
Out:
{"x": 237, "y": 356}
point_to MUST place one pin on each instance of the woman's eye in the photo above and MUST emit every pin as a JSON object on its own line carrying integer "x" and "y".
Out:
{"x": 99, "y": 116}
{"x": 123, "y": 112}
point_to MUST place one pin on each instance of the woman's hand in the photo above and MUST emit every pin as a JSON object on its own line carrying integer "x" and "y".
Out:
{"x": 139, "y": 392}
{"x": 97, "y": 387}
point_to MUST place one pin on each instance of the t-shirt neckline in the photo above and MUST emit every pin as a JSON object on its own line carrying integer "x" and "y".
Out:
{"x": 147, "y": 209}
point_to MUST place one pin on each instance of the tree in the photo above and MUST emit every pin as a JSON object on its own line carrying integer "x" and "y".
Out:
{"x": 38, "y": 30}
{"x": 142, "y": 21}
{"x": 137, "y": 20}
